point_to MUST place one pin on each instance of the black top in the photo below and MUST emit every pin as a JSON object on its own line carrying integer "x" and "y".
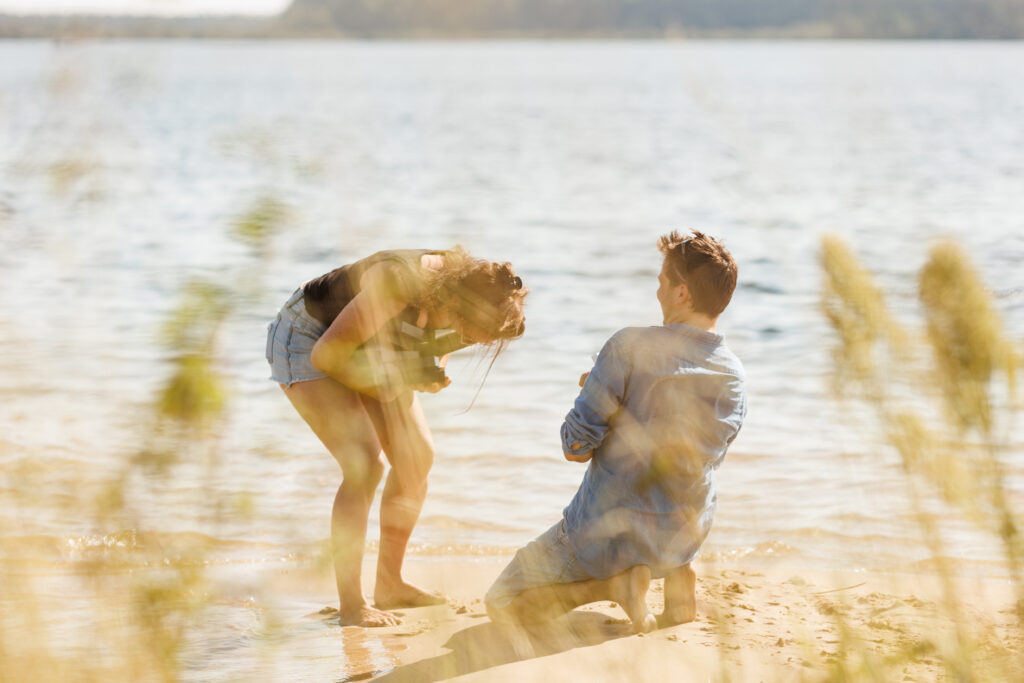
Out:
{"x": 326, "y": 295}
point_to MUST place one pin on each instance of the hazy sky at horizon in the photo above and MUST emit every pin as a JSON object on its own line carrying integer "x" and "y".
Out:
{"x": 144, "y": 7}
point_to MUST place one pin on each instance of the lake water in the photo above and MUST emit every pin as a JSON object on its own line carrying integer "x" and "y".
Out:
{"x": 123, "y": 167}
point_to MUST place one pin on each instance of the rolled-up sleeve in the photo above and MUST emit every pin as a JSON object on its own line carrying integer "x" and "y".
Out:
{"x": 601, "y": 396}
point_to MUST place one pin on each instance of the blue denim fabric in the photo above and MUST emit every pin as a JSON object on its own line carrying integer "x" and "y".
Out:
{"x": 659, "y": 409}
{"x": 546, "y": 560}
{"x": 290, "y": 340}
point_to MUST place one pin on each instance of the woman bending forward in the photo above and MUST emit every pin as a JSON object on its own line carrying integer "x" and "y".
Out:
{"x": 347, "y": 349}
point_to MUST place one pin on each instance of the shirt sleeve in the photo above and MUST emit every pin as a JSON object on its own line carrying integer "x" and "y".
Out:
{"x": 586, "y": 425}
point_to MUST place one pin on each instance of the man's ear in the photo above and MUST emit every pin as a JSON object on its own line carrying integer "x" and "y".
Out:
{"x": 682, "y": 294}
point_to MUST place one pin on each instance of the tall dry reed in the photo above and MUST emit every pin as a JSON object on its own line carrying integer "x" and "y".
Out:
{"x": 944, "y": 400}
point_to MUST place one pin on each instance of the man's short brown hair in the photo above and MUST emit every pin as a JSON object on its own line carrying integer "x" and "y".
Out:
{"x": 704, "y": 266}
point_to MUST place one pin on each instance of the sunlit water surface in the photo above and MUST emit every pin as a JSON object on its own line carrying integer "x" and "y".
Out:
{"x": 123, "y": 167}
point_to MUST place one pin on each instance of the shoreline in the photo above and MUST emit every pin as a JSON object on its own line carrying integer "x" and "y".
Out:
{"x": 769, "y": 623}
{"x": 276, "y": 620}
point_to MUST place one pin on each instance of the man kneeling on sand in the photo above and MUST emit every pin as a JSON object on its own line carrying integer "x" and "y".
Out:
{"x": 654, "y": 419}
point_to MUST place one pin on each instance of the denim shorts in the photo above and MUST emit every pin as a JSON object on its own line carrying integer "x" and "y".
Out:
{"x": 546, "y": 560}
{"x": 290, "y": 340}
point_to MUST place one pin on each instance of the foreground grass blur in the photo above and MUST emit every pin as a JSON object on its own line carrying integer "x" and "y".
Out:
{"x": 945, "y": 401}
{"x": 142, "y": 597}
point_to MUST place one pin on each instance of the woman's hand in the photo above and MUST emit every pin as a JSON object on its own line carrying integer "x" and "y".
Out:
{"x": 432, "y": 387}
{"x": 387, "y": 394}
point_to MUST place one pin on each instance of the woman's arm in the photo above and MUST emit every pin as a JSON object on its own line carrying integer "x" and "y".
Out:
{"x": 379, "y": 300}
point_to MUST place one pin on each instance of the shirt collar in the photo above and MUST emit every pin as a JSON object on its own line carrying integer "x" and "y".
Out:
{"x": 696, "y": 333}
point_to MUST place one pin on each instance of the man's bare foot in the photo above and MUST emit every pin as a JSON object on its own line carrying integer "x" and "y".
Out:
{"x": 364, "y": 615}
{"x": 676, "y": 616}
{"x": 680, "y": 597}
{"x": 629, "y": 590}
{"x": 402, "y": 594}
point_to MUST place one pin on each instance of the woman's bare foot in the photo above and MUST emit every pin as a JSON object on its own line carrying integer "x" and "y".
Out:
{"x": 364, "y": 615}
{"x": 389, "y": 595}
{"x": 680, "y": 597}
{"x": 629, "y": 590}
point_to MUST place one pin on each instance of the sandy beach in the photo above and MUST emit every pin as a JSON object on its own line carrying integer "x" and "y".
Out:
{"x": 165, "y": 513}
{"x": 765, "y": 623}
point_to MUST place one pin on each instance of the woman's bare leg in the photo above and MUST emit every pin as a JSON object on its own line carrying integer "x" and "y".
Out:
{"x": 336, "y": 415}
{"x": 402, "y": 429}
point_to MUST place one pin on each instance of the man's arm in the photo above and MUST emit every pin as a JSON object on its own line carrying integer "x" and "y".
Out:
{"x": 582, "y": 457}
{"x": 586, "y": 425}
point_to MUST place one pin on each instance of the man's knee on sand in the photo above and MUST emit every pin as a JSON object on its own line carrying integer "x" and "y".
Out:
{"x": 499, "y": 614}
{"x": 499, "y": 603}
{"x": 508, "y": 601}
{"x": 537, "y": 605}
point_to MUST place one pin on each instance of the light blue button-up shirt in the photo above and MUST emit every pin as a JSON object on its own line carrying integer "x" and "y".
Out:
{"x": 659, "y": 410}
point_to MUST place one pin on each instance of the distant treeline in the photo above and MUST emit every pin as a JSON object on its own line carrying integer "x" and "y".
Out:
{"x": 821, "y": 18}
{"x": 965, "y": 19}
{"x": 75, "y": 27}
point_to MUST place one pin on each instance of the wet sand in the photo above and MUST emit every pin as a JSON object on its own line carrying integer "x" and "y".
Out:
{"x": 274, "y": 620}
{"x": 753, "y": 624}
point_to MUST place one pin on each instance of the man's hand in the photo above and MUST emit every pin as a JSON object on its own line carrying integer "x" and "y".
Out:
{"x": 583, "y": 377}
{"x": 578, "y": 457}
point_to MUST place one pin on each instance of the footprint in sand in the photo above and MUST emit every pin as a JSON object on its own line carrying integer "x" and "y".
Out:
{"x": 421, "y": 627}
{"x": 826, "y": 607}
{"x": 883, "y": 625}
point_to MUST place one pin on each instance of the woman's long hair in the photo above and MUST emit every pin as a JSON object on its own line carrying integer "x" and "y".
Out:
{"x": 485, "y": 294}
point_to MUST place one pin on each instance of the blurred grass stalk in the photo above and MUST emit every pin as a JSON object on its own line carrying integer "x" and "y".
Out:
{"x": 121, "y": 603}
{"x": 136, "y": 600}
{"x": 143, "y": 600}
{"x": 944, "y": 400}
